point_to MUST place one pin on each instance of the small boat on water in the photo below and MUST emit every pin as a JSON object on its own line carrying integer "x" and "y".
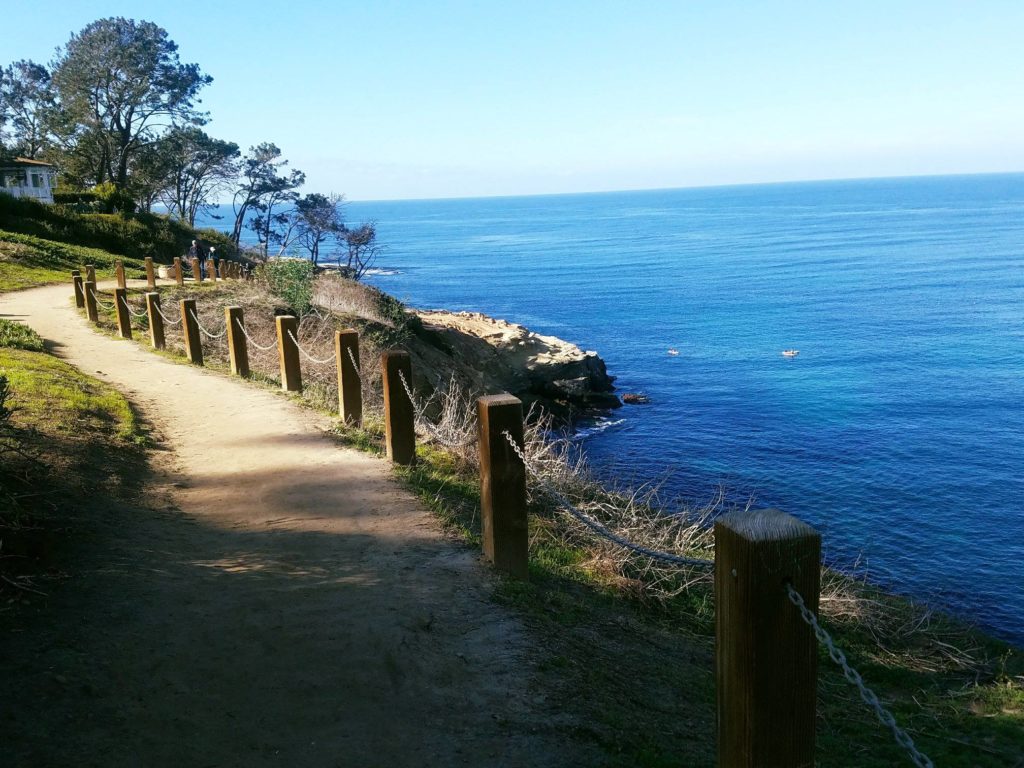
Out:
{"x": 790, "y": 352}
{"x": 673, "y": 352}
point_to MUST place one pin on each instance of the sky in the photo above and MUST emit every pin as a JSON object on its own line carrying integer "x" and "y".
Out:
{"x": 379, "y": 99}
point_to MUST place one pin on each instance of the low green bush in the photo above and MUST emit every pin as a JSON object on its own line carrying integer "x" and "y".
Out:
{"x": 136, "y": 235}
{"x": 291, "y": 280}
{"x": 18, "y": 336}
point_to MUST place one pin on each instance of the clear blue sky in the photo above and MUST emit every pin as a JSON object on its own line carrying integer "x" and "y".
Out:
{"x": 385, "y": 99}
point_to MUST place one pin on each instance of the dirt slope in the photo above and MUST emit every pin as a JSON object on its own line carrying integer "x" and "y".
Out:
{"x": 279, "y": 602}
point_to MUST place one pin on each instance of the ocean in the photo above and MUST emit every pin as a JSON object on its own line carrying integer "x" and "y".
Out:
{"x": 897, "y": 430}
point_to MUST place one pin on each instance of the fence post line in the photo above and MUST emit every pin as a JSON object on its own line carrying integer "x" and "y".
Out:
{"x": 90, "y": 273}
{"x": 288, "y": 353}
{"x": 190, "y": 327}
{"x": 197, "y": 273}
{"x": 350, "y": 391}
{"x": 238, "y": 350}
{"x": 766, "y": 656}
{"x": 124, "y": 320}
{"x": 91, "y": 310}
{"x": 399, "y": 416}
{"x": 119, "y": 274}
{"x": 156, "y": 322}
{"x": 76, "y": 278}
{"x": 150, "y": 274}
{"x": 504, "y": 528}
{"x": 179, "y": 275}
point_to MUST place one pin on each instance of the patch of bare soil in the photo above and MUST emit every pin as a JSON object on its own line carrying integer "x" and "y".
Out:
{"x": 271, "y": 600}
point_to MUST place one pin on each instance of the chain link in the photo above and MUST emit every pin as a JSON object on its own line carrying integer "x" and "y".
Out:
{"x": 101, "y": 304}
{"x": 245, "y": 333}
{"x": 853, "y": 676}
{"x": 132, "y": 312}
{"x": 308, "y": 356}
{"x": 165, "y": 317}
{"x": 598, "y": 528}
{"x": 424, "y": 422}
{"x": 355, "y": 365}
{"x": 211, "y": 335}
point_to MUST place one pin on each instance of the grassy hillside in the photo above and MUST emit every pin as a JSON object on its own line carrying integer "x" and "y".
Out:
{"x": 27, "y": 261}
{"x": 135, "y": 235}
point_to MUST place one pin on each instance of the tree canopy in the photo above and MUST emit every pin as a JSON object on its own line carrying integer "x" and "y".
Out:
{"x": 118, "y": 83}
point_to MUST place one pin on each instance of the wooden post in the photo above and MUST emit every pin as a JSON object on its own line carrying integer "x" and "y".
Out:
{"x": 766, "y": 654}
{"x": 91, "y": 311}
{"x": 197, "y": 273}
{"x": 119, "y": 274}
{"x": 90, "y": 273}
{"x": 288, "y": 352}
{"x": 399, "y": 416}
{"x": 76, "y": 278}
{"x": 150, "y": 274}
{"x": 179, "y": 274}
{"x": 238, "y": 350}
{"x": 222, "y": 270}
{"x": 124, "y": 320}
{"x": 350, "y": 390}
{"x": 190, "y": 325}
{"x": 503, "y": 485}
{"x": 156, "y": 321}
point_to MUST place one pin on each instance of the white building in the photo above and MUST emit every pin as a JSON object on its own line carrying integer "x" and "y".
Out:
{"x": 22, "y": 177}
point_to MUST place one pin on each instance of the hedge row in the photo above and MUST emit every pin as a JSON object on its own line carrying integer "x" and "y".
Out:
{"x": 136, "y": 235}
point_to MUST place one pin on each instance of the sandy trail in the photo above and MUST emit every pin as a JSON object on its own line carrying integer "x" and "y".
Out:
{"x": 299, "y": 609}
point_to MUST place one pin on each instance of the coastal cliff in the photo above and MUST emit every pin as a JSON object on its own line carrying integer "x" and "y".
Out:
{"x": 488, "y": 355}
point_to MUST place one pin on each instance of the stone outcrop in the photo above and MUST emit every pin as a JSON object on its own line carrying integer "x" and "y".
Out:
{"x": 489, "y": 356}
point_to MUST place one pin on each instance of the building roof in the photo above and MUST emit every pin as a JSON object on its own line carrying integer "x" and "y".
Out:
{"x": 22, "y": 161}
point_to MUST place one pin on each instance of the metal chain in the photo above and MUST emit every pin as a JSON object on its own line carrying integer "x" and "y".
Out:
{"x": 308, "y": 356}
{"x": 355, "y": 365}
{"x": 597, "y": 527}
{"x": 165, "y": 317}
{"x": 853, "y": 676}
{"x": 101, "y": 304}
{"x": 245, "y": 333}
{"x": 211, "y": 335}
{"x": 132, "y": 312}
{"x": 425, "y": 423}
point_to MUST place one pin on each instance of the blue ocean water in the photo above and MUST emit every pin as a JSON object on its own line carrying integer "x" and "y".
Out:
{"x": 898, "y": 430}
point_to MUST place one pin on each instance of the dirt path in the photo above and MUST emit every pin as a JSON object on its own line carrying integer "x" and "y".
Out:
{"x": 290, "y": 606}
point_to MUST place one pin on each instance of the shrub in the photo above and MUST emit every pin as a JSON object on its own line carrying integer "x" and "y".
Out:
{"x": 17, "y": 336}
{"x": 291, "y": 280}
{"x": 136, "y": 235}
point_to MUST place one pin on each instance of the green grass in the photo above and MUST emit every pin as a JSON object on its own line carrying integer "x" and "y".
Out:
{"x": 19, "y": 336}
{"x": 53, "y": 397}
{"x": 27, "y": 261}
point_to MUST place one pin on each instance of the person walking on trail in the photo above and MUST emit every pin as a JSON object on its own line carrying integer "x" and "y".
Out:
{"x": 198, "y": 252}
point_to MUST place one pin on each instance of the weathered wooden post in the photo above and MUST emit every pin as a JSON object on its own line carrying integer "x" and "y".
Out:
{"x": 222, "y": 270}
{"x": 179, "y": 274}
{"x": 119, "y": 274}
{"x": 156, "y": 321}
{"x": 76, "y": 278}
{"x": 91, "y": 310}
{"x": 503, "y": 484}
{"x": 190, "y": 326}
{"x": 150, "y": 274}
{"x": 197, "y": 273}
{"x": 238, "y": 350}
{"x": 288, "y": 352}
{"x": 399, "y": 415}
{"x": 350, "y": 390}
{"x": 124, "y": 320}
{"x": 90, "y": 273}
{"x": 766, "y": 654}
